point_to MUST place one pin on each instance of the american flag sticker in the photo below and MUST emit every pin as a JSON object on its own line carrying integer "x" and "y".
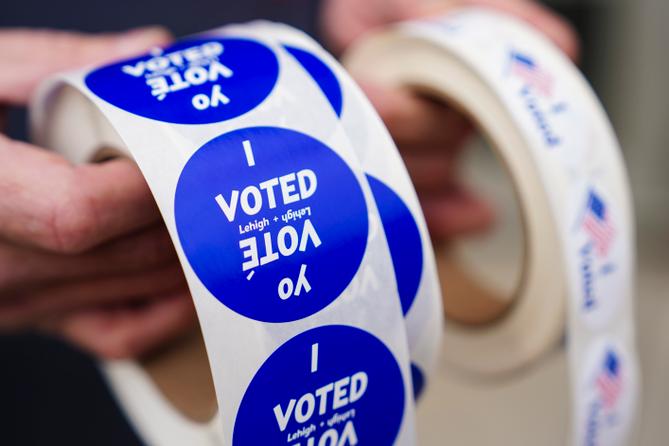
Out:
{"x": 525, "y": 68}
{"x": 609, "y": 383}
{"x": 597, "y": 223}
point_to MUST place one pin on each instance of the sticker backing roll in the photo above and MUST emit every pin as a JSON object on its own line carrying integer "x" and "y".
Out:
{"x": 550, "y": 132}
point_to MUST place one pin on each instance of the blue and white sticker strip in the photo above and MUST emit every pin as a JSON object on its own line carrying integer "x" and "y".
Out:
{"x": 249, "y": 149}
{"x": 560, "y": 150}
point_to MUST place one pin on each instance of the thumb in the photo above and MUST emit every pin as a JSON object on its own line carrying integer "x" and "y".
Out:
{"x": 31, "y": 55}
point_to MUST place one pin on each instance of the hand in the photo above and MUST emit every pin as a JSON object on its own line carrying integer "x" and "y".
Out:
{"x": 83, "y": 251}
{"x": 429, "y": 134}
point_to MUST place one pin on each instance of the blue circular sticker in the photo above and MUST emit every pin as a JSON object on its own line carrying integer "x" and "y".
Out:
{"x": 404, "y": 241}
{"x": 196, "y": 81}
{"x": 332, "y": 385}
{"x": 273, "y": 222}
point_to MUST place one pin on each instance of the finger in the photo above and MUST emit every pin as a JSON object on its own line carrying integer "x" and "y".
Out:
{"x": 415, "y": 120}
{"x": 34, "y": 55}
{"x": 430, "y": 172}
{"x": 455, "y": 213}
{"x": 27, "y": 307}
{"x": 344, "y": 21}
{"x": 129, "y": 331}
{"x": 145, "y": 250}
{"x": 556, "y": 28}
{"x": 50, "y": 204}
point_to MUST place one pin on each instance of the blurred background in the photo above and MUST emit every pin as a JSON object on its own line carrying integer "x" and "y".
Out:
{"x": 625, "y": 57}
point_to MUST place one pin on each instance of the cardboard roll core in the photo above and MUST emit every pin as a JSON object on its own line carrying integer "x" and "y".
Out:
{"x": 481, "y": 274}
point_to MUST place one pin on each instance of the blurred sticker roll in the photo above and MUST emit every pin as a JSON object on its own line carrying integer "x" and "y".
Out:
{"x": 552, "y": 136}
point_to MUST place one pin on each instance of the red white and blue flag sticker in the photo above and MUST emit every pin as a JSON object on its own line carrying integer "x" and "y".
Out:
{"x": 597, "y": 223}
{"x": 609, "y": 382}
{"x": 526, "y": 68}
{"x": 609, "y": 392}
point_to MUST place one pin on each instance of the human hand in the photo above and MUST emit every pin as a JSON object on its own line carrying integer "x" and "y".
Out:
{"x": 429, "y": 134}
{"x": 83, "y": 251}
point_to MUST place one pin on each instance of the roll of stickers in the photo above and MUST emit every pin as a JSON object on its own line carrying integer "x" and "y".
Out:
{"x": 297, "y": 227}
{"x": 551, "y": 133}
{"x": 249, "y": 123}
